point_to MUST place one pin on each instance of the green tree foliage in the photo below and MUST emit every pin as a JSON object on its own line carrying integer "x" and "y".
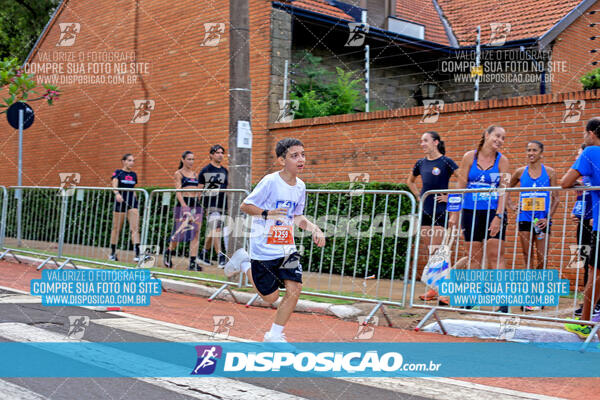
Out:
{"x": 15, "y": 85}
{"x": 320, "y": 92}
{"x": 591, "y": 80}
{"x": 21, "y": 23}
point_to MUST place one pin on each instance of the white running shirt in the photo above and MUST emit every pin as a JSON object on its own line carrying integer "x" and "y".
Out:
{"x": 273, "y": 192}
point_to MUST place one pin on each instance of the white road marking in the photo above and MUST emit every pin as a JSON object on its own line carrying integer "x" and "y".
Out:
{"x": 15, "y": 392}
{"x": 200, "y": 388}
{"x": 14, "y": 298}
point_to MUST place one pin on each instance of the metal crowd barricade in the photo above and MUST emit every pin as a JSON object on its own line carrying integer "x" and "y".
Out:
{"x": 369, "y": 236}
{"x": 72, "y": 224}
{"x": 166, "y": 225}
{"x": 3, "y": 210}
{"x": 562, "y": 248}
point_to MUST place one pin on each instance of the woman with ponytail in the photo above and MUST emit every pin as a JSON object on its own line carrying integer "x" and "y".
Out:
{"x": 484, "y": 213}
{"x": 187, "y": 212}
{"x": 126, "y": 206}
{"x": 435, "y": 170}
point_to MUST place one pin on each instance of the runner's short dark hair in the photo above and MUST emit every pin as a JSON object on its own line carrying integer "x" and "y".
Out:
{"x": 284, "y": 144}
{"x": 216, "y": 148}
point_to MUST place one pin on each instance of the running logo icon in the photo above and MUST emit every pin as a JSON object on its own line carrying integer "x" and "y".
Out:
{"x": 148, "y": 255}
{"x": 573, "y": 111}
{"x": 499, "y": 33}
{"x": 358, "y": 32}
{"x": 366, "y": 331}
{"x": 431, "y": 111}
{"x": 68, "y": 33}
{"x": 68, "y": 183}
{"x": 223, "y": 324}
{"x": 508, "y": 328}
{"x": 501, "y": 180}
{"x": 207, "y": 359}
{"x": 357, "y": 182}
{"x": 287, "y": 110}
{"x": 212, "y": 34}
{"x": 77, "y": 326}
{"x": 142, "y": 109}
{"x": 579, "y": 255}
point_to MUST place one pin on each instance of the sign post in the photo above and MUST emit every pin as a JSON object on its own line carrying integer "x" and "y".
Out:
{"x": 20, "y": 116}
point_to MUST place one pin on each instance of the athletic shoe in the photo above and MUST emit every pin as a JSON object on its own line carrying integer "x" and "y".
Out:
{"x": 113, "y": 257}
{"x": 222, "y": 260}
{"x": 234, "y": 265}
{"x": 502, "y": 309}
{"x": 167, "y": 259}
{"x": 271, "y": 337}
{"x": 532, "y": 308}
{"x": 204, "y": 258}
{"x": 580, "y": 310}
{"x": 136, "y": 259}
{"x": 431, "y": 294}
{"x": 443, "y": 301}
{"x": 583, "y": 331}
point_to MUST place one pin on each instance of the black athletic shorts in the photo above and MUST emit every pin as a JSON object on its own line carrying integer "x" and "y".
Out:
{"x": 190, "y": 202}
{"x": 525, "y": 226}
{"x": 479, "y": 230}
{"x": 268, "y": 275}
{"x": 427, "y": 219}
{"x": 592, "y": 257}
{"x": 129, "y": 202}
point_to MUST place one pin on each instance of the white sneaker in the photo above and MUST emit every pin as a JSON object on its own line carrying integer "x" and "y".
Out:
{"x": 271, "y": 337}
{"x": 234, "y": 265}
{"x": 136, "y": 259}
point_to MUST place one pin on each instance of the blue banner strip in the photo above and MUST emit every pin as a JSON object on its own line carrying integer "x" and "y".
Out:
{"x": 224, "y": 359}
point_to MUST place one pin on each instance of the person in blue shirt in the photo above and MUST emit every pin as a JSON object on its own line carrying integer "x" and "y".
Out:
{"x": 435, "y": 170}
{"x": 534, "y": 206}
{"x": 484, "y": 216}
{"x": 588, "y": 164}
{"x": 484, "y": 213}
{"x": 582, "y": 215}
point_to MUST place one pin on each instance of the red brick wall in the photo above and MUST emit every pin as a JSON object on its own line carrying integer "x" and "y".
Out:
{"x": 88, "y": 129}
{"x": 573, "y": 46}
{"x": 385, "y": 144}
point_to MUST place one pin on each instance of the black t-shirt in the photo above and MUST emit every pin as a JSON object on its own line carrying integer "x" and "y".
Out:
{"x": 213, "y": 178}
{"x": 126, "y": 180}
{"x": 435, "y": 175}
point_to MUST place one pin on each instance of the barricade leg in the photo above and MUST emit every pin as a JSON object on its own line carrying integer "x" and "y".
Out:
{"x": 220, "y": 290}
{"x": 67, "y": 261}
{"x": 432, "y": 312}
{"x": 47, "y": 260}
{"x": 374, "y": 310}
{"x": 252, "y": 300}
{"x": 595, "y": 331}
{"x": 12, "y": 254}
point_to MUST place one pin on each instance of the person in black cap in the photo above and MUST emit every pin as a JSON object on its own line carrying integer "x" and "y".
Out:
{"x": 214, "y": 177}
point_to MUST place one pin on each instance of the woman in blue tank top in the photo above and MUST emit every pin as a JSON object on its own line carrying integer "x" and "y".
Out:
{"x": 535, "y": 208}
{"x": 483, "y": 213}
{"x": 187, "y": 213}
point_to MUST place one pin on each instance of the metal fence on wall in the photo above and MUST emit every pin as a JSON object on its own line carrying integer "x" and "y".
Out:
{"x": 366, "y": 258}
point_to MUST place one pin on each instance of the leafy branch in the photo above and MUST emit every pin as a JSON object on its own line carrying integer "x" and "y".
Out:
{"x": 21, "y": 86}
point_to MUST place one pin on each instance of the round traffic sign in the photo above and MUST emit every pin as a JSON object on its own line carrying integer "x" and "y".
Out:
{"x": 12, "y": 115}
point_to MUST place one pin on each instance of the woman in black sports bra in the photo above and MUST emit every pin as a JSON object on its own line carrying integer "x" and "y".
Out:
{"x": 187, "y": 212}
